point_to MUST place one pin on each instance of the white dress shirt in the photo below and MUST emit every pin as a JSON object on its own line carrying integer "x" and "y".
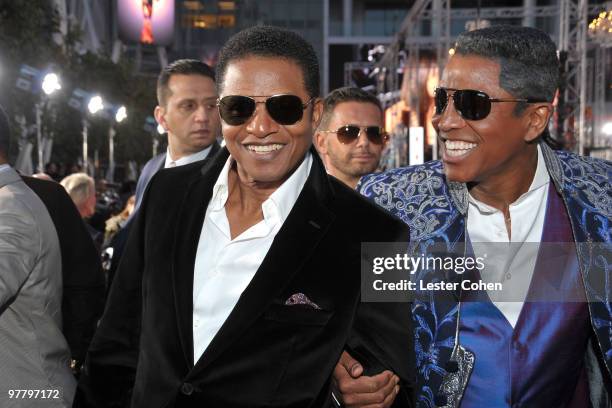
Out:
{"x": 509, "y": 260}
{"x": 4, "y": 167}
{"x": 201, "y": 155}
{"x": 225, "y": 267}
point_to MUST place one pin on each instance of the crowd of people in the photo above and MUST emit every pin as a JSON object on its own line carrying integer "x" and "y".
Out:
{"x": 233, "y": 275}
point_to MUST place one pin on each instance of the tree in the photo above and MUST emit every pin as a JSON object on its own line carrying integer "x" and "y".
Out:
{"x": 26, "y": 37}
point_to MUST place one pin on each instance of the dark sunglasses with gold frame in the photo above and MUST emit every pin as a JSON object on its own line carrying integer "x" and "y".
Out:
{"x": 347, "y": 134}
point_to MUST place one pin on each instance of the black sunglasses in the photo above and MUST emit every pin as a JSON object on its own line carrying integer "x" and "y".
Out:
{"x": 471, "y": 104}
{"x": 236, "y": 110}
{"x": 349, "y": 133}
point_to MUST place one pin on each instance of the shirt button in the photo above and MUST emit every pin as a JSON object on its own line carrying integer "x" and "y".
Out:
{"x": 187, "y": 389}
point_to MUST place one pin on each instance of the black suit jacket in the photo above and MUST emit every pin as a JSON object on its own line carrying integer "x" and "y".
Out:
{"x": 149, "y": 170}
{"x": 83, "y": 280}
{"x": 156, "y": 164}
{"x": 266, "y": 354}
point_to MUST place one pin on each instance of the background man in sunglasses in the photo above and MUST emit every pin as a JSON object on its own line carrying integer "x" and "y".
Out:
{"x": 547, "y": 342}
{"x": 350, "y": 137}
{"x": 240, "y": 284}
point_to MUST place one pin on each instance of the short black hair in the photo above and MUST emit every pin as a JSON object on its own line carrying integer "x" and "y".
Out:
{"x": 180, "y": 67}
{"x": 272, "y": 42}
{"x": 5, "y": 134}
{"x": 345, "y": 94}
{"x": 527, "y": 58}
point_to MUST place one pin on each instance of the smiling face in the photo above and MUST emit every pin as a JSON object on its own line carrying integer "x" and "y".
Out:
{"x": 266, "y": 152}
{"x": 496, "y": 146}
{"x": 189, "y": 114}
{"x": 350, "y": 161}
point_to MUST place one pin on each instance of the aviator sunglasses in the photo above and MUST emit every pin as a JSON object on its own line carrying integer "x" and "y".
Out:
{"x": 236, "y": 110}
{"x": 349, "y": 133}
{"x": 471, "y": 104}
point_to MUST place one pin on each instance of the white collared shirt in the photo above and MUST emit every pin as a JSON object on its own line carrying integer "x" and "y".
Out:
{"x": 511, "y": 264}
{"x": 4, "y": 167}
{"x": 224, "y": 267}
{"x": 201, "y": 155}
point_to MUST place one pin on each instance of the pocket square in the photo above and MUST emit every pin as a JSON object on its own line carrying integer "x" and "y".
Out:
{"x": 301, "y": 299}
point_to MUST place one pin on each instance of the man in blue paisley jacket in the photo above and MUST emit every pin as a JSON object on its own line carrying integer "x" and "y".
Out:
{"x": 500, "y": 181}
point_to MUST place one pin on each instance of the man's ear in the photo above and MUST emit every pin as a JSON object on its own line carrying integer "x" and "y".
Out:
{"x": 159, "y": 114}
{"x": 538, "y": 116}
{"x": 319, "y": 142}
{"x": 317, "y": 112}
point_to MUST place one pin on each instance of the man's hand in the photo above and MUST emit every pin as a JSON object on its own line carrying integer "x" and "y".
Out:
{"x": 359, "y": 391}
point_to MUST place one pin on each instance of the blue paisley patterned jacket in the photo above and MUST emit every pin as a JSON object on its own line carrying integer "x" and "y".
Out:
{"x": 435, "y": 210}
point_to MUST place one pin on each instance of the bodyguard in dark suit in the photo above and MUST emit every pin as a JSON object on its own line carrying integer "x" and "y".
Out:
{"x": 240, "y": 284}
{"x": 187, "y": 110}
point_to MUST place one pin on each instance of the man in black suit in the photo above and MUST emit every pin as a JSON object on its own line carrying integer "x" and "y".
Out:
{"x": 240, "y": 284}
{"x": 187, "y": 110}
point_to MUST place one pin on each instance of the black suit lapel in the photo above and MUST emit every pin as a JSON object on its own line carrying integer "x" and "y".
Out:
{"x": 214, "y": 149}
{"x": 187, "y": 233}
{"x": 292, "y": 247}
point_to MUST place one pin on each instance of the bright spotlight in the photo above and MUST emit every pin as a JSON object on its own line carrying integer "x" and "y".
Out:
{"x": 121, "y": 114}
{"x": 95, "y": 104}
{"x": 607, "y": 129}
{"x": 51, "y": 83}
{"x": 160, "y": 129}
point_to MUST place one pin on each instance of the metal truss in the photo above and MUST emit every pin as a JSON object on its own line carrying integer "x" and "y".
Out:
{"x": 573, "y": 54}
{"x": 599, "y": 102}
{"x": 584, "y": 82}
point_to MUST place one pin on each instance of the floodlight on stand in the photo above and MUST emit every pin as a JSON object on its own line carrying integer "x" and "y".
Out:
{"x": 607, "y": 129}
{"x": 95, "y": 104}
{"x": 51, "y": 83}
{"x": 121, "y": 114}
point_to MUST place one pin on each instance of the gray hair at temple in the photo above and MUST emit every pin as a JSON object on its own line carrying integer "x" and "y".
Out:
{"x": 527, "y": 58}
{"x": 5, "y": 135}
{"x": 529, "y": 66}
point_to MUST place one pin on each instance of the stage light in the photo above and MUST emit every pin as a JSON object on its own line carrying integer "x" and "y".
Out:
{"x": 51, "y": 83}
{"x": 95, "y": 105}
{"x": 121, "y": 114}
